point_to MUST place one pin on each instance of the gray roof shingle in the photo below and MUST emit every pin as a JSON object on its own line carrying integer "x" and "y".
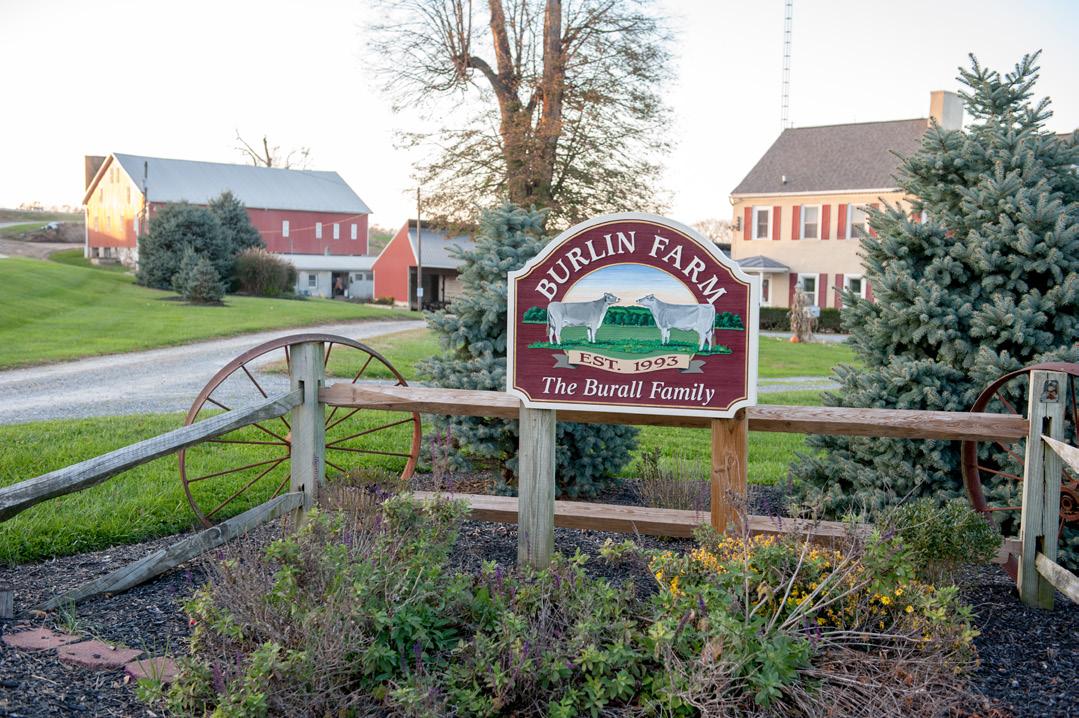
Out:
{"x": 257, "y": 187}
{"x": 437, "y": 245}
{"x": 834, "y": 158}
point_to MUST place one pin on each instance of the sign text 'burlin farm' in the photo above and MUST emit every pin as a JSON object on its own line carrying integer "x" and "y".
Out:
{"x": 633, "y": 313}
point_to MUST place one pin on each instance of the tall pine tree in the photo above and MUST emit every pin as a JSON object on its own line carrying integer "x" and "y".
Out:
{"x": 987, "y": 284}
{"x": 472, "y": 334}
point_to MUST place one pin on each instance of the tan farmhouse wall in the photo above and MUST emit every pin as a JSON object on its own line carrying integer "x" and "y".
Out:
{"x": 829, "y": 258}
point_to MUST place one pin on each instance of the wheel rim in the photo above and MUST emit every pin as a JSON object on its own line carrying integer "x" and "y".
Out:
{"x": 993, "y": 470}
{"x": 251, "y": 464}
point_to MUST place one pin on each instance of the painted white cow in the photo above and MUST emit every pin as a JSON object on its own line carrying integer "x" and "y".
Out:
{"x": 577, "y": 314}
{"x": 699, "y": 318}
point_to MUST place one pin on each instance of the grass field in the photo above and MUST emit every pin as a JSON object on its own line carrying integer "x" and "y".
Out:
{"x": 56, "y": 311}
{"x": 15, "y": 215}
{"x": 624, "y": 342}
{"x": 16, "y": 229}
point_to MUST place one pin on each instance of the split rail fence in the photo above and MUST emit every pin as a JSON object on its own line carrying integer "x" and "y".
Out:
{"x": 536, "y": 511}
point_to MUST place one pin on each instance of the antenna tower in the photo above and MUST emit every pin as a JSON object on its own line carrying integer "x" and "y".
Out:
{"x": 785, "y": 106}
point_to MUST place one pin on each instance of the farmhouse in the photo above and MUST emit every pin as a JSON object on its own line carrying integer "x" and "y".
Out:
{"x": 800, "y": 212}
{"x": 434, "y": 257}
{"x": 311, "y": 218}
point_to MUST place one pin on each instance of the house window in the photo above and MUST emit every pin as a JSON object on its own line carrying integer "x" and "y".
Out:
{"x": 811, "y": 221}
{"x": 807, "y": 285}
{"x": 855, "y": 284}
{"x": 336, "y": 231}
{"x": 856, "y": 219}
{"x": 766, "y": 292}
{"x": 312, "y": 280}
{"x": 353, "y": 232}
{"x": 762, "y": 222}
{"x": 318, "y": 230}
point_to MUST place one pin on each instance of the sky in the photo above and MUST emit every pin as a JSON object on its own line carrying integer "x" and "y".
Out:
{"x": 179, "y": 79}
{"x": 629, "y": 282}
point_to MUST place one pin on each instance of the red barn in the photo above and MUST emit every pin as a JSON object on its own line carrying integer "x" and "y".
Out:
{"x": 435, "y": 251}
{"x": 304, "y": 213}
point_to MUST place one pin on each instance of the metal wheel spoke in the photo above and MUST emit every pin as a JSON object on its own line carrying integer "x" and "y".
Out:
{"x": 1005, "y": 508}
{"x": 257, "y": 385}
{"x": 999, "y": 473}
{"x": 283, "y": 484}
{"x": 1008, "y": 405}
{"x": 343, "y": 418}
{"x": 238, "y": 468}
{"x": 245, "y": 441}
{"x": 369, "y": 431}
{"x": 245, "y": 487}
{"x": 369, "y": 451}
{"x": 339, "y": 468}
{"x": 362, "y": 369}
{"x": 256, "y": 424}
{"x": 326, "y": 359}
{"x": 1011, "y": 453}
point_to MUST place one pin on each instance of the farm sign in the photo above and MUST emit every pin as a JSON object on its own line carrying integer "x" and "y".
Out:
{"x": 633, "y": 313}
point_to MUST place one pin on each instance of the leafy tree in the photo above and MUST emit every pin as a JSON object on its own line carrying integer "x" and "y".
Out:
{"x": 235, "y": 223}
{"x": 472, "y": 333}
{"x": 562, "y": 100}
{"x": 174, "y": 229}
{"x": 197, "y": 281}
{"x": 987, "y": 284}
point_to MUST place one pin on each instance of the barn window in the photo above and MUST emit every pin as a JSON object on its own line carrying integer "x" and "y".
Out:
{"x": 284, "y": 228}
{"x": 353, "y": 231}
{"x": 318, "y": 230}
{"x": 336, "y": 231}
{"x": 135, "y": 224}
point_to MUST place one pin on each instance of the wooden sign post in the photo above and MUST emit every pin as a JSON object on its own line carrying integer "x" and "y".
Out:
{"x": 631, "y": 314}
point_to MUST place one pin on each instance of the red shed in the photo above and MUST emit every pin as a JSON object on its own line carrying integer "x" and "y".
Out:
{"x": 298, "y": 212}
{"x": 395, "y": 267}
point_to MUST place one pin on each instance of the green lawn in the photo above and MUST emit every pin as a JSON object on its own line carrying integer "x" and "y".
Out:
{"x": 17, "y": 229}
{"x": 56, "y": 311}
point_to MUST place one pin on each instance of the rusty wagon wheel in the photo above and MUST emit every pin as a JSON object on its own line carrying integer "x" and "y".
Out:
{"x": 250, "y": 465}
{"x": 993, "y": 470}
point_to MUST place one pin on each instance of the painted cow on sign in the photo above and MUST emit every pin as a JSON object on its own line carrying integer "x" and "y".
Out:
{"x": 577, "y": 314}
{"x": 699, "y": 318}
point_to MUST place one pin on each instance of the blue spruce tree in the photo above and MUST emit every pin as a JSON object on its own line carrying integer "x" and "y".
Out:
{"x": 987, "y": 284}
{"x": 472, "y": 333}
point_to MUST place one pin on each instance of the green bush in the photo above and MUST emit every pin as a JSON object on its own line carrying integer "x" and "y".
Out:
{"x": 775, "y": 319}
{"x": 174, "y": 230}
{"x": 941, "y": 537}
{"x": 197, "y": 281}
{"x": 360, "y": 611}
{"x": 263, "y": 274}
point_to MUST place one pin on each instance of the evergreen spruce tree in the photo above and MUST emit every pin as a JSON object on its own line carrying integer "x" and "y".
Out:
{"x": 173, "y": 230}
{"x": 236, "y": 226}
{"x": 989, "y": 283}
{"x": 472, "y": 333}
{"x": 197, "y": 281}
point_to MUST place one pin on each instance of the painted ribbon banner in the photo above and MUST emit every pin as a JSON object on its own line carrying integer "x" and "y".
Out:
{"x": 628, "y": 366}
{"x": 633, "y": 313}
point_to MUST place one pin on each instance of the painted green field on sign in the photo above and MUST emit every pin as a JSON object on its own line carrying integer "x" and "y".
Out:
{"x": 628, "y": 342}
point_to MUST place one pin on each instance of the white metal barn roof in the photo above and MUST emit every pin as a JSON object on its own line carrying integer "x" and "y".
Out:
{"x": 329, "y": 262}
{"x": 257, "y": 187}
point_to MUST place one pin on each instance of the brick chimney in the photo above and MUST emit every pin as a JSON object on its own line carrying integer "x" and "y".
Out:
{"x": 946, "y": 108}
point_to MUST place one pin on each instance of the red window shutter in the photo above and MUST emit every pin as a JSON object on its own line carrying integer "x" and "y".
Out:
{"x": 792, "y": 279}
{"x": 822, "y": 290}
{"x": 868, "y": 290}
{"x": 825, "y": 221}
{"x": 838, "y": 289}
{"x": 747, "y": 225}
{"x": 874, "y": 205}
{"x": 796, "y": 222}
{"x": 777, "y": 219}
{"x": 841, "y": 222}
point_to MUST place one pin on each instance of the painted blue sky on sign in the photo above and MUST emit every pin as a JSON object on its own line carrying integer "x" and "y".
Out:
{"x": 629, "y": 282}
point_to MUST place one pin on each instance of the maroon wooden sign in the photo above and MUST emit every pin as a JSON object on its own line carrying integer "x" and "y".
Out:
{"x": 633, "y": 313}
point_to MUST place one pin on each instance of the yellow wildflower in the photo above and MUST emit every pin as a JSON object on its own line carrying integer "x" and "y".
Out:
{"x": 909, "y": 609}
{"x": 886, "y": 600}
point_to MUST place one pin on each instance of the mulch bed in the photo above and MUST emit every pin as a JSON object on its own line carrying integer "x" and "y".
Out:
{"x": 1029, "y": 658}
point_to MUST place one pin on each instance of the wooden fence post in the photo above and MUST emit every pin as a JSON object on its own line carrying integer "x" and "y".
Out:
{"x": 536, "y": 487}
{"x": 730, "y": 464}
{"x": 1040, "y": 519}
{"x": 308, "y": 435}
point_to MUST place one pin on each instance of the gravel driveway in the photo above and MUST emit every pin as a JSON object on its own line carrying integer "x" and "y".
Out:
{"x": 157, "y": 380}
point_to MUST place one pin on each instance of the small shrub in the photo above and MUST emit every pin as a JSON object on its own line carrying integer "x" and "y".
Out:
{"x": 941, "y": 537}
{"x": 197, "y": 281}
{"x": 263, "y": 274}
{"x": 683, "y": 484}
{"x": 387, "y": 301}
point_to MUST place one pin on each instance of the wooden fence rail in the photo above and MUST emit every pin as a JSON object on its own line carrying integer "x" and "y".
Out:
{"x": 21, "y": 496}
